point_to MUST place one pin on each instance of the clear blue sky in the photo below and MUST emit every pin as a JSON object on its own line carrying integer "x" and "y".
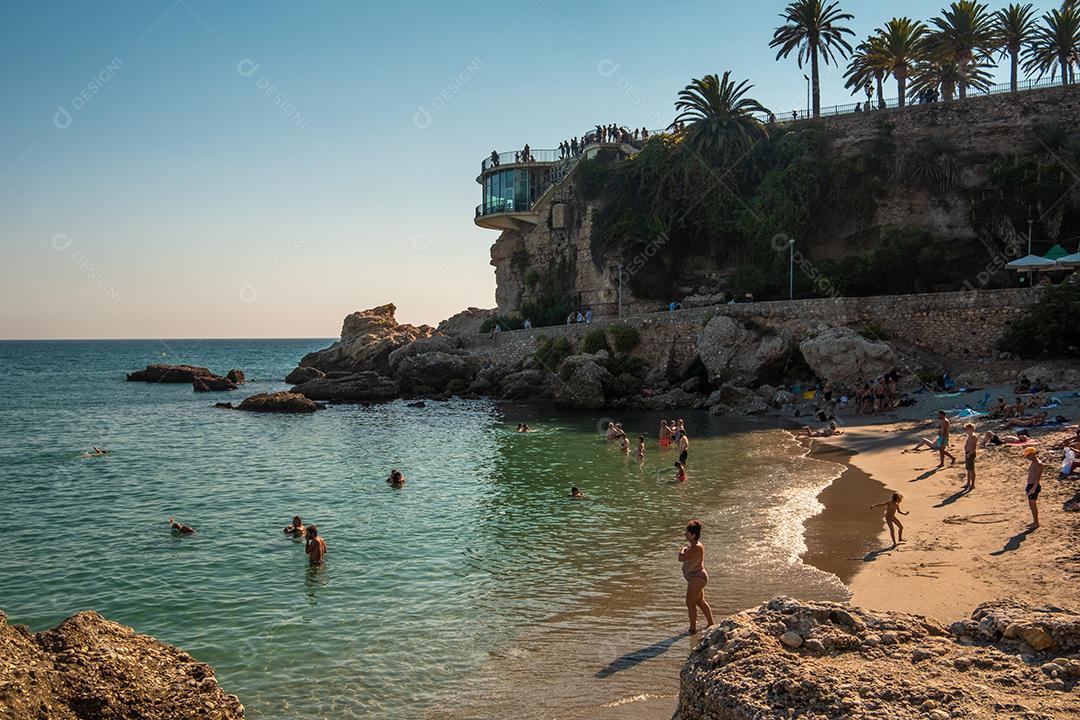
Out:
{"x": 197, "y": 168}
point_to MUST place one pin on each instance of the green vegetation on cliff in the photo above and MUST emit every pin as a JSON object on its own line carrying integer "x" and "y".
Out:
{"x": 1050, "y": 329}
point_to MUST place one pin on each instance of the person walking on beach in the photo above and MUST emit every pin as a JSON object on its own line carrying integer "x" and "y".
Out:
{"x": 1034, "y": 484}
{"x": 315, "y": 546}
{"x": 892, "y": 507}
{"x": 971, "y": 442}
{"x": 941, "y": 443}
{"x": 692, "y": 558}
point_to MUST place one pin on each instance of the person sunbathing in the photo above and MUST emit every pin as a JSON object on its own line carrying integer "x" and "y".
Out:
{"x": 1033, "y": 421}
{"x": 1017, "y": 409}
{"x": 992, "y": 438}
{"x": 827, "y": 431}
{"x": 999, "y": 410}
{"x": 1072, "y": 441}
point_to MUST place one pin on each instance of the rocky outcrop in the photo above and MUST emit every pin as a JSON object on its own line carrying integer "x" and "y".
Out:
{"x": 279, "y": 402}
{"x": 581, "y": 382}
{"x": 841, "y": 355}
{"x": 827, "y": 660}
{"x": 731, "y": 351}
{"x": 212, "y": 384}
{"x": 466, "y": 322}
{"x": 89, "y": 668}
{"x": 367, "y": 339}
{"x": 362, "y": 387}
{"x": 171, "y": 374}
{"x": 432, "y": 372}
{"x": 303, "y": 374}
{"x": 236, "y": 377}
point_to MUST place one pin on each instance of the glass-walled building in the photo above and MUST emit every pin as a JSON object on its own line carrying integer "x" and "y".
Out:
{"x": 510, "y": 190}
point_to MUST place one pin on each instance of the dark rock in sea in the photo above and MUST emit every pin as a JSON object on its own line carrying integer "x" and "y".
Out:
{"x": 212, "y": 384}
{"x": 435, "y": 369}
{"x": 90, "y": 668}
{"x": 351, "y": 388}
{"x": 279, "y": 402}
{"x": 175, "y": 374}
{"x": 224, "y": 405}
{"x": 581, "y": 382}
{"x": 236, "y": 376}
{"x": 417, "y": 404}
{"x": 303, "y": 374}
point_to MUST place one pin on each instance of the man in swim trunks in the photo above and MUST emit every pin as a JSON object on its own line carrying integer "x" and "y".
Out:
{"x": 971, "y": 442}
{"x": 315, "y": 547}
{"x": 1034, "y": 484}
{"x": 684, "y": 444}
{"x": 941, "y": 443}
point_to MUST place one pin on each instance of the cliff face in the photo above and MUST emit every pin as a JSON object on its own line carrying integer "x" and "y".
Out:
{"x": 89, "y": 668}
{"x": 556, "y": 257}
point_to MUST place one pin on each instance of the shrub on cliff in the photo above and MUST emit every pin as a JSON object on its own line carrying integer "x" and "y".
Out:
{"x": 551, "y": 352}
{"x": 624, "y": 338}
{"x": 1050, "y": 328}
{"x": 594, "y": 342}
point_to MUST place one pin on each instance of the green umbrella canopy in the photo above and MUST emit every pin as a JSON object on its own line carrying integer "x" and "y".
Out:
{"x": 1056, "y": 253}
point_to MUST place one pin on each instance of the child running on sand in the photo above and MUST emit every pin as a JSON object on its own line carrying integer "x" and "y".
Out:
{"x": 891, "y": 508}
{"x": 1034, "y": 484}
{"x": 692, "y": 558}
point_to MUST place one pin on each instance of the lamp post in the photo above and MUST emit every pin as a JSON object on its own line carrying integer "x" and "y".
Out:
{"x": 809, "y": 102}
{"x": 791, "y": 274}
{"x": 619, "y": 266}
{"x": 1030, "y": 223}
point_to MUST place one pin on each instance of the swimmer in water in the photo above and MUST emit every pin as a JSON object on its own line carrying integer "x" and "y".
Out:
{"x": 641, "y": 448}
{"x": 181, "y": 528}
{"x": 95, "y": 451}
{"x": 396, "y": 479}
{"x": 624, "y": 444}
{"x": 297, "y": 527}
{"x": 692, "y": 558}
{"x": 680, "y": 472}
{"x": 577, "y": 494}
{"x": 612, "y": 431}
{"x": 523, "y": 427}
{"x": 315, "y": 547}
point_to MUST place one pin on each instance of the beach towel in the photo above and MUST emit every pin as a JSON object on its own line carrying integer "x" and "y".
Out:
{"x": 969, "y": 413}
{"x": 948, "y": 395}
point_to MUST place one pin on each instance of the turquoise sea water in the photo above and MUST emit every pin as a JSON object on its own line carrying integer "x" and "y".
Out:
{"x": 477, "y": 585}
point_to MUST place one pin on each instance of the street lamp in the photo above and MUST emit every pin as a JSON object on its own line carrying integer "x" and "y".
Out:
{"x": 1030, "y": 223}
{"x": 619, "y": 266}
{"x": 791, "y": 275}
{"x": 808, "y": 100}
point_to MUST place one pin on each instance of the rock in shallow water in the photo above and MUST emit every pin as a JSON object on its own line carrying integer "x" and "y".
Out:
{"x": 279, "y": 402}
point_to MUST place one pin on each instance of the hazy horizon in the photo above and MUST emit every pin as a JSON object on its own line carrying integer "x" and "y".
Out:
{"x": 184, "y": 169}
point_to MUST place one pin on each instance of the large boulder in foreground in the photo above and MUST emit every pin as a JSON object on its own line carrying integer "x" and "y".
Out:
{"x": 827, "y": 660}
{"x": 731, "y": 351}
{"x": 841, "y": 355}
{"x": 279, "y": 402}
{"x": 466, "y": 322}
{"x": 367, "y": 339}
{"x": 89, "y": 668}
{"x": 362, "y": 387}
{"x": 435, "y": 370}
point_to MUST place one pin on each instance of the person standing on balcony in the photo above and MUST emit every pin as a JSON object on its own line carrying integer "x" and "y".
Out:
{"x": 494, "y": 159}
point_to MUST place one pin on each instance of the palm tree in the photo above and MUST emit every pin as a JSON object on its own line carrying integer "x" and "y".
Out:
{"x": 1014, "y": 26}
{"x": 903, "y": 43}
{"x": 946, "y": 75}
{"x": 965, "y": 36}
{"x": 719, "y": 116}
{"x": 1055, "y": 44}
{"x": 814, "y": 28}
{"x": 867, "y": 67}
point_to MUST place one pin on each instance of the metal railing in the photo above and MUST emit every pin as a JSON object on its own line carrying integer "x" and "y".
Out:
{"x": 515, "y": 158}
{"x": 914, "y": 101}
{"x": 495, "y": 206}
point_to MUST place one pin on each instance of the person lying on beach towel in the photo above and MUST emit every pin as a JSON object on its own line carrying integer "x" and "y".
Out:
{"x": 827, "y": 431}
{"x": 1072, "y": 441}
{"x": 992, "y": 438}
{"x": 1033, "y": 421}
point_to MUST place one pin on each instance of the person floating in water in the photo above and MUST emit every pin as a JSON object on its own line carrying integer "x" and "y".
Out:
{"x": 315, "y": 547}
{"x": 524, "y": 427}
{"x": 396, "y": 479}
{"x": 95, "y": 451}
{"x": 641, "y": 448}
{"x": 692, "y": 558}
{"x": 296, "y": 529}
{"x": 577, "y": 494}
{"x": 892, "y": 507}
{"x": 680, "y": 472}
{"x": 181, "y": 528}
{"x": 1034, "y": 484}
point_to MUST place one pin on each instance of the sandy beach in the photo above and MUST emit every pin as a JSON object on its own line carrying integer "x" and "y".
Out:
{"x": 961, "y": 549}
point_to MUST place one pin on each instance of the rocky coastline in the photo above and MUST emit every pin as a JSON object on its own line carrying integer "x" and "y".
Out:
{"x": 90, "y": 668}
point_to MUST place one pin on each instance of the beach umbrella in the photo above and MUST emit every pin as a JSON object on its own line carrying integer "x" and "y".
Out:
{"x": 1069, "y": 261}
{"x": 1031, "y": 263}
{"x": 1056, "y": 253}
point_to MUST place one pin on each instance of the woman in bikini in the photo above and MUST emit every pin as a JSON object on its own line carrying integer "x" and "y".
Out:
{"x": 692, "y": 558}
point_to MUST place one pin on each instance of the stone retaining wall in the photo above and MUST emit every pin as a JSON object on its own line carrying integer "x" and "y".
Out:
{"x": 959, "y": 324}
